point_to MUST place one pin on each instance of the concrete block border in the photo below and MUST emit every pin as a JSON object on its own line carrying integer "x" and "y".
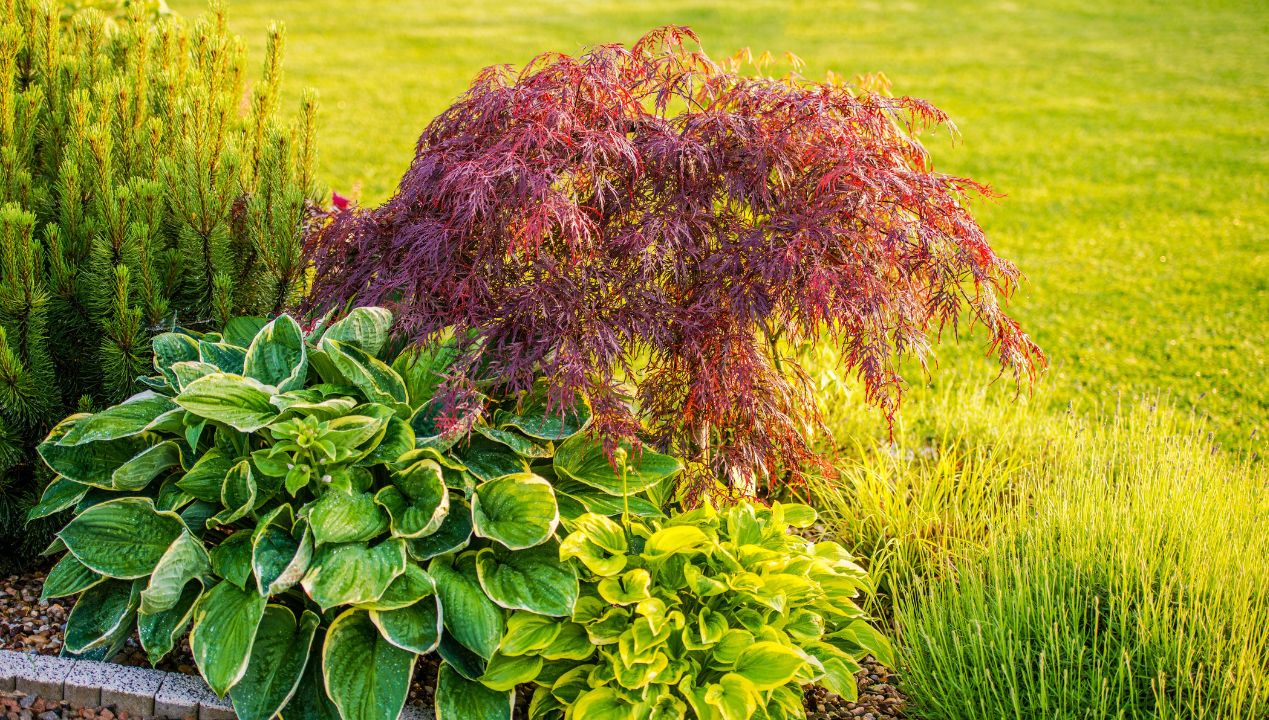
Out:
{"x": 142, "y": 692}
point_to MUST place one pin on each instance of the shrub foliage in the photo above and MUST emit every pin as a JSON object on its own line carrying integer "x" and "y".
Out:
{"x": 287, "y": 499}
{"x": 135, "y": 195}
{"x": 639, "y": 216}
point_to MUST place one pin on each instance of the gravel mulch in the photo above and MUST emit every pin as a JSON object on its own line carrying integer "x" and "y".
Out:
{"x": 29, "y": 625}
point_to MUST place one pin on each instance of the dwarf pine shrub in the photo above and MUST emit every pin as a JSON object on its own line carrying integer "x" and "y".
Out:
{"x": 143, "y": 185}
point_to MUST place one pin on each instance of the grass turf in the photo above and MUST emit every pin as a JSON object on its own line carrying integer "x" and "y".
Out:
{"x": 1131, "y": 141}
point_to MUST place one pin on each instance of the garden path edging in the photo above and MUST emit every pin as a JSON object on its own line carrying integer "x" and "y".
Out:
{"x": 141, "y": 692}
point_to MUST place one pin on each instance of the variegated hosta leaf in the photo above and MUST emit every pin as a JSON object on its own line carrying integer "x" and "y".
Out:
{"x": 367, "y": 677}
{"x": 90, "y": 463}
{"x": 537, "y": 420}
{"x": 280, "y": 555}
{"x": 453, "y": 534}
{"x": 103, "y": 613}
{"x": 277, "y": 356}
{"x": 470, "y": 616}
{"x": 225, "y": 622}
{"x": 364, "y": 327}
{"x": 240, "y": 331}
{"x": 122, "y": 538}
{"x": 353, "y": 573}
{"x": 583, "y": 459}
{"x": 278, "y": 657}
{"x": 69, "y": 576}
{"x": 534, "y": 579}
{"x": 458, "y": 698}
{"x": 417, "y": 501}
{"x": 310, "y": 702}
{"x": 518, "y": 511}
{"x": 227, "y": 358}
{"x": 340, "y": 517}
{"x": 241, "y": 403}
{"x": 231, "y": 559}
{"x": 58, "y": 496}
{"x": 205, "y": 480}
{"x": 130, "y": 417}
{"x": 505, "y": 672}
{"x": 416, "y": 627}
{"x": 376, "y": 381}
{"x": 137, "y": 473}
{"x": 408, "y": 588}
{"x": 159, "y": 631}
{"x": 171, "y": 348}
{"x": 186, "y": 559}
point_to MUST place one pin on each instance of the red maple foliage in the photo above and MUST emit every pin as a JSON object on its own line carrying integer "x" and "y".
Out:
{"x": 641, "y": 223}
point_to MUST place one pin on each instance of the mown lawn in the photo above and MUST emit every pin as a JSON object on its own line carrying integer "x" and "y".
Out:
{"x": 1131, "y": 140}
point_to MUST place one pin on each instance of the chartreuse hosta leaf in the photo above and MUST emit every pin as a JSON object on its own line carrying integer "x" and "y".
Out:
{"x": 532, "y": 579}
{"x": 225, "y": 623}
{"x": 603, "y": 703}
{"x": 367, "y": 677}
{"x": 458, "y": 698}
{"x": 518, "y": 510}
{"x": 122, "y": 538}
{"x": 277, "y": 660}
{"x": 529, "y": 633}
{"x": 582, "y": 458}
{"x": 277, "y": 356}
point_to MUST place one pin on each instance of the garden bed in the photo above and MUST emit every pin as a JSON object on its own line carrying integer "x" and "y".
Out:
{"x": 28, "y": 624}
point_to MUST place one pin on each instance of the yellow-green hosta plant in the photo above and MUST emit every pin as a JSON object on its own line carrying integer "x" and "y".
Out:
{"x": 715, "y": 615}
{"x": 292, "y": 500}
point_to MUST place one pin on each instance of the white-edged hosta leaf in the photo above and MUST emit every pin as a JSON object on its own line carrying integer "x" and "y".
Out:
{"x": 69, "y": 576}
{"x": 130, "y": 417}
{"x": 408, "y": 588}
{"x": 278, "y": 657}
{"x": 185, "y": 560}
{"x": 534, "y": 579}
{"x": 364, "y": 327}
{"x": 367, "y": 677}
{"x": 518, "y": 511}
{"x": 535, "y": 419}
{"x": 90, "y": 463}
{"x": 101, "y": 613}
{"x": 458, "y": 698}
{"x": 277, "y": 355}
{"x": 160, "y": 631}
{"x": 278, "y": 559}
{"x": 454, "y": 533}
{"x": 582, "y": 458}
{"x": 340, "y": 517}
{"x": 139, "y": 471}
{"x": 416, "y": 628}
{"x": 231, "y": 559}
{"x": 239, "y": 402}
{"x": 171, "y": 348}
{"x": 470, "y": 616}
{"x": 122, "y": 538}
{"x": 376, "y": 381}
{"x": 229, "y": 358}
{"x": 58, "y": 496}
{"x": 205, "y": 480}
{"x": 309, "y": 701}
{"x": 352, "y": 573}
{"x": 225, "y": 622}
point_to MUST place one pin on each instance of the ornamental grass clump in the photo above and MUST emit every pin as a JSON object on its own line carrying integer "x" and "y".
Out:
{"x": 136, "y": 194}
{"x": 640, "y": 223}
{"x": 286, "y": 499}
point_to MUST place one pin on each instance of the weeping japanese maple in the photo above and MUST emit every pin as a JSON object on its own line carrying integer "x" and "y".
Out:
{"x": 640, "y": 221}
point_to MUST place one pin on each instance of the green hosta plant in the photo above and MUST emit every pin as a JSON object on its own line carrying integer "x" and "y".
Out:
{"x": 294, "y": 502}
{"x": 716, "y": 615}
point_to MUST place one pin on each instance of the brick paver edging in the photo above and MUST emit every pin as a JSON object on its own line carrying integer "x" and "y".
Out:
{"x": 141, "y": 692}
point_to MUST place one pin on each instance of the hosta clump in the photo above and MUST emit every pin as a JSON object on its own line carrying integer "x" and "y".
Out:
{"x": 711, "y": 614}
{"x": 296, "y": 502}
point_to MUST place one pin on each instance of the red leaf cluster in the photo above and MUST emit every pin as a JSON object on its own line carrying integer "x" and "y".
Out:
{"x": 637, "y": 223}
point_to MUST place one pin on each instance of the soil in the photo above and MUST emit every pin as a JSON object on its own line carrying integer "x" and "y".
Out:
{"x": 28, "y": 624}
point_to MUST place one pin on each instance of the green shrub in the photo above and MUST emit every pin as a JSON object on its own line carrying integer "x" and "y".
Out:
{"x": 710, "y": 615}
{"x": 135, "y": 196}
{"x": 295, "y": 502}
